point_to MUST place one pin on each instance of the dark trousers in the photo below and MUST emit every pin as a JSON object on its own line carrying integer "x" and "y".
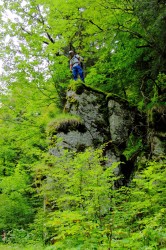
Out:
{"x": 77, "y": 70}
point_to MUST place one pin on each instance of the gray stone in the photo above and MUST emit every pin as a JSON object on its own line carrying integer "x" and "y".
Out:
{"x": 104, "y": 122}
{"x": 158, "y": 147}
{"x": 120, "y": 122}
{"x": 91, "y": 107}
{"x": 112, "y": 158}
{"x": 73, "y": 140}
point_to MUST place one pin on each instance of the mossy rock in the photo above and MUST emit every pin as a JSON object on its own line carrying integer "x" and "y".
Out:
{"x": 116, "y": 98}
{"x": 76, "y": 86}
{"x": 156, "y": 118}
{"x": 65, "y": 124}
{"x": 79, "y": 86}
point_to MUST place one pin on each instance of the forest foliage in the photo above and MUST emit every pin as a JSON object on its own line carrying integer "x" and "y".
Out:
{"x": 70, "y": 201}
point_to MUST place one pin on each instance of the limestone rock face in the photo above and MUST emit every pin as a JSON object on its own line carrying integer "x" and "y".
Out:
{"x": 105, "y": 121}
{"x": 96, "y": 119}
{"x": 121, "y": 121}
{"x": 91, "y": 106}
{"x": 74, "y": 140}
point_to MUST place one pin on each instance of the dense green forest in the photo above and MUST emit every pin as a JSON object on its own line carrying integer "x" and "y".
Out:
{"x": 70, "y": 201}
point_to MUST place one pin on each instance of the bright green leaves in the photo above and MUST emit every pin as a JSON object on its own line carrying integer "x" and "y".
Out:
{"x": 142, "y": 208}
{"x": 134, "y": 145}
{"x": 16, "y": 182}
{"x": 78, "y": 191}
{"x": 123, "y": 39}
{"x": 84, "y": 210}
{"x": 14, "y": 205}
{"x": 123, "y": 43}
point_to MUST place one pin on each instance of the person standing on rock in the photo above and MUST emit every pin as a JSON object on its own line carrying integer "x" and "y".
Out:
{"x": 75, "y": 65}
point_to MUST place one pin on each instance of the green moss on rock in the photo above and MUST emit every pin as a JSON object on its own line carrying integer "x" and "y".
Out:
{"x": 76, "y": 86}
{"x": 65, "y": 124}
{"x": 116, "y": 98}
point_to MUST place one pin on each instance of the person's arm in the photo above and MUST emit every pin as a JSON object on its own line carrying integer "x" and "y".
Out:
{"x": 80, "y": 58}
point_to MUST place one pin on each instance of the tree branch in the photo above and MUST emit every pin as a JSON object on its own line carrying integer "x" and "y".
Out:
{"x": 29, "y": 33}
{"x": 95, "y": 25}
{"x": 144, "y": 46}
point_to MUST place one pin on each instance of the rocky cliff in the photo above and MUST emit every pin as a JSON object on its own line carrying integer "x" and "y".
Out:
{"x": 95, "y": 119}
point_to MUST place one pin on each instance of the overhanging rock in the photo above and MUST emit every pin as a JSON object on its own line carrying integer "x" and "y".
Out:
{"x": 106, "y": 120}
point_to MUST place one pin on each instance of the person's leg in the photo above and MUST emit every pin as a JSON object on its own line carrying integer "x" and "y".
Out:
{"x": 75, "y": 73}
{"x": 80, "y": 72}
